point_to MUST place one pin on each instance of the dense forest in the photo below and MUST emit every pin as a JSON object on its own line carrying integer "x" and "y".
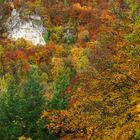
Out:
{"x": 83, "y": 83}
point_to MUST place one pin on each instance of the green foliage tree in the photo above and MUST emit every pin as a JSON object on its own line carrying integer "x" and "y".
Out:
{"x": 1, "y": 1}
{"x": 66, "y": 3}
{"x": 20, "y": 110}
{"x": 58, "y": 100}
{"x": 32, "y": 99}
{"x": 46, "y": 36}
{"x": 137, "y": 135}
{"x": 8, "y": 111}
{"x": 56, "y": 34}
{"x": 70, "y": 39}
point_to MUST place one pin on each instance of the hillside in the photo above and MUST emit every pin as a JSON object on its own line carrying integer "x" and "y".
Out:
{"x": 69, "y": 70}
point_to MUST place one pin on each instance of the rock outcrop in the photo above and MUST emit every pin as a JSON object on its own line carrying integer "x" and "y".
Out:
{"x": 30, "y": 29}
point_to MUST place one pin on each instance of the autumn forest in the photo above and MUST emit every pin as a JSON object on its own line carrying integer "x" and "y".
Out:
{"x": 75, "y": 74}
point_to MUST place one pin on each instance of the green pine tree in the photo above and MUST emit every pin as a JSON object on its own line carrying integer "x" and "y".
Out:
{"x": 20, "y": 110}
{"x": 58, "y": 101}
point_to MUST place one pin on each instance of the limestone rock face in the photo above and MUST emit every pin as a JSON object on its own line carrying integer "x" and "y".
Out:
{"x": 30, "y": 29}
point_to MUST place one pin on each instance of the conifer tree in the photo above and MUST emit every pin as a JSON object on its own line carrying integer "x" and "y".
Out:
{"x": 58, "y": 101}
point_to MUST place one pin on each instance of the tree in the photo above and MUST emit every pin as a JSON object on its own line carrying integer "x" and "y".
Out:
{"x": 58, "y": 100}
{"x": 20, "y": 110}
{"x": 105, "y": 104}
{"x": 79, "y": 57}
{"x": 8, "y": 114}
{"x": 1, "y": 1}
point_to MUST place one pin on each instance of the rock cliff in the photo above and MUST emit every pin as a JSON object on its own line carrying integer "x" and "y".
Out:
{"x": 30, "y": 28}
